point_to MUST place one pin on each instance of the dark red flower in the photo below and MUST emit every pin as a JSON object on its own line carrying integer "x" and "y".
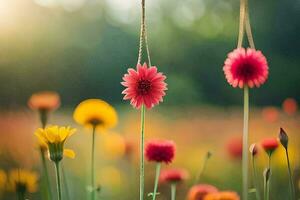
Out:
{"x": 198, "y": 192}
{"x": 269, "y": 144}
{"x": 160, "y": 151}
{"x": 173, "y": 175}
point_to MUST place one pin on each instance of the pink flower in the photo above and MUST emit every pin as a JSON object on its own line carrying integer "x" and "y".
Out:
{"x": 270, "y": 144}
{"x": 246, "y": 67}
{"x": 173, "y": 175}
{"x": 290, "y": 106}
{"x": 144, "y": 86}
{"x": 160, "y": 151}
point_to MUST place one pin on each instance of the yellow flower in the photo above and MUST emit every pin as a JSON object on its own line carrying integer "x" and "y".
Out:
{"x": 2, "y": 179}
{"x": 55, "y": 138}
{"x": 21, "y": 180}
{"x": 95, "y": 112}
{"x": 225, "y": 195}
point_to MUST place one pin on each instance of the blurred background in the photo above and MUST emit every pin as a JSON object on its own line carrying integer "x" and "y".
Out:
{"x": 82, "y": 48}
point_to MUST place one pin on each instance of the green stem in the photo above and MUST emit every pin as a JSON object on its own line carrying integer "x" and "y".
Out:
{"x": 93, "y": 195}
{"x": 142, "y": 161}
{"x": 248, "y": 26}
{"x": 46, "y": 174}
{"x": 58, "y": 183}
{"x": 269, "y": 180}
{"x": 292, "y": 187}
{"x": 158, "y": 166}
{"x": 173, "y": 191}
{"x": 265, "y": 189}
{"x": 245, "y": 143}
{"x": 241, "y": 25}
{"x": 21, "y": 195}
{"x": 202, "y": 169}
{"x": 256, "y": 183}
{"x": 65, "y": 181}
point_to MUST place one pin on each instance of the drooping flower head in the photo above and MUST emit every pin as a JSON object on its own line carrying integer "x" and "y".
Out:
{"x": 269, "y": 145}
{"x": 224, "y": 195}
{"x": 173, "y": 175}
{"x": 144, "y": 86}
{"x": 55, "y": 138}
{"x": 246, "y": 67}
{"x": 198, "y": 192}
{"x": 290, "y": 106}
{"x": 45, "y": 100}
{"x": 160, "y": 151}
{"x": 95, "y": 112}
{"x": 22, "y": 180}
{"x": 235, "y": 148}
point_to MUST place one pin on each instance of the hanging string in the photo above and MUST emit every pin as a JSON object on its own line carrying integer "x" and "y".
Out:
{"x": 242, "y": 24}
{"x": 143, "y": 36}
{"x": 248, "y": 26}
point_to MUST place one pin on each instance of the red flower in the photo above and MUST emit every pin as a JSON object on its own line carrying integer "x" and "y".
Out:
{"x": 198, "y": 192}
{"x": 173, "y": 175}
{"x": 144, "y": 86}
{"x": 160, "y": 151}
{"x": 246, "y": 67}
{"x": 235, "y": 148}
{"x": 290, "y": 106}
{"x": 269, "y": 144}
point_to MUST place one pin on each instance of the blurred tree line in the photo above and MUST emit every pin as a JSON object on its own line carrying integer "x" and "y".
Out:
{"x": 84, "y": 52}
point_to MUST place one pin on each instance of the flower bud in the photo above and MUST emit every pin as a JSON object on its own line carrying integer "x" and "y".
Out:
{"x": 283, "y": 138}
{"x": 267, "y": 173}
{"x": 253, "y": 149}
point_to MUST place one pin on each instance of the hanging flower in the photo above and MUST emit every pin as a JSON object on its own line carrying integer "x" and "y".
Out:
{"x": 173, "y": 176}
{"x": 198, "y": 192}
{"x": 55, "y": 138}
{"x": 95, "y": 112}
{"x": 45, "y": 100}
{"x": 246, "y": 67}
{"x": 144, "y": 86}
{"x": 22, "y": 181}
{"x": 160, "y": 151}
{"x": 225, "y": 195}
{"x": 270, "y": 145}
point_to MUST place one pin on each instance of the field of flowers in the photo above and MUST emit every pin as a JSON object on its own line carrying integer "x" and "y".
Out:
{"x": 195, "y": 131}
{"x": 101, "y": 148}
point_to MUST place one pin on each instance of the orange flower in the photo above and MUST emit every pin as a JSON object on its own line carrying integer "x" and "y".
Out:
{"x": 225, "y": 195}
{"x": 45, "y": 100}
{"x": 198, "y": 192}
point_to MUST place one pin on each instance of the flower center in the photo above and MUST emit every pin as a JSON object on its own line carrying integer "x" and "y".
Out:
{"x": 143, "y": 87}
{"x": 246, "y": 71}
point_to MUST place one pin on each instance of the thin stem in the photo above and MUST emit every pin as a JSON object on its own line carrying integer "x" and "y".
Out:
{"x": 173, "y": 191}
{"x": 265, "y": 189}
{"x": 292, "y": 187}
{"x": 142, "y": 160}
{"x": 21, "y": 195}
{"x": 256, "y": 183}
{"x": 65, "y": 181}
{"x": 93, "y": 195}
{"x": 46, "y": 174}
{"x": 241, "y": 25}
{"x": 245, "y": 143}
{"x": 58, "y": 183}
{"x": 248, "y": 26}
{"x": 158, "y": 166}
{"x": 202, "y": 169}
{"x": 269, "y": 180}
